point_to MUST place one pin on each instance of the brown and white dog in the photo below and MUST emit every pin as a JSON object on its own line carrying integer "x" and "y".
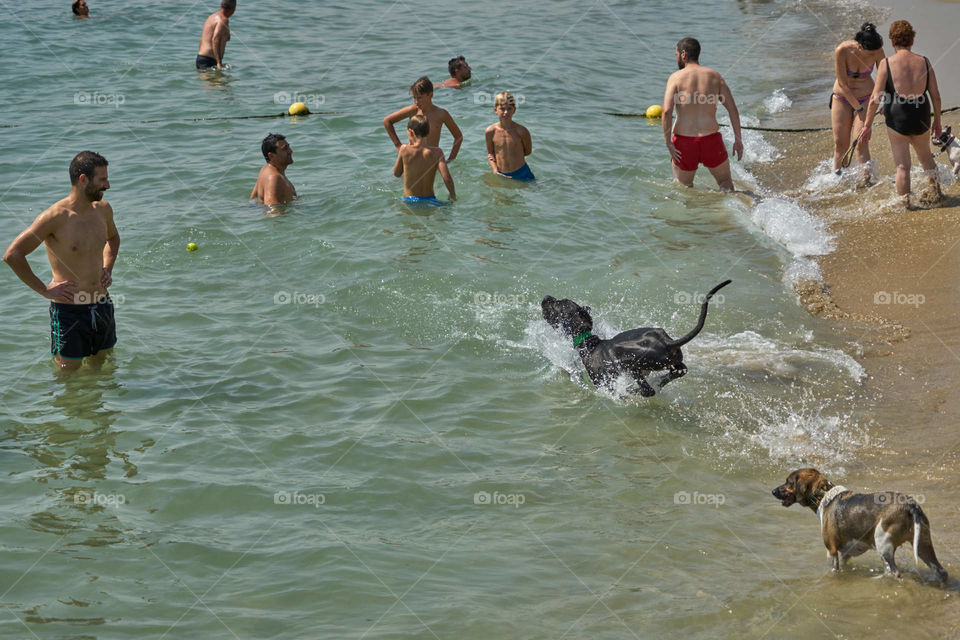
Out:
{"x": 852, "y": 522}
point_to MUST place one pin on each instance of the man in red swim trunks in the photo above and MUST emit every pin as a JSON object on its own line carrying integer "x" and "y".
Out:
{"x": 696, "y": 90}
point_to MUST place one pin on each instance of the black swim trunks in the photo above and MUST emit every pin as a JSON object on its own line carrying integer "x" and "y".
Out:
{"x": 81, "y": 330}
{"x": 206, "y": 62}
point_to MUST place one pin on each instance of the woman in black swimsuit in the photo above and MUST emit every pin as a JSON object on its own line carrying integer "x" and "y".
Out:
{"x": 907, "y": 111}
{"x": 853, "y": 61}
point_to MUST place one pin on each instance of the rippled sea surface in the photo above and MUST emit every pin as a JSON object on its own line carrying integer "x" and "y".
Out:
{"x": 346, "y": 418}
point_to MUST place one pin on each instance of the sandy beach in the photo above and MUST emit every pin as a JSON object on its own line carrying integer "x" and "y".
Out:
{"x": 892, "y": 286}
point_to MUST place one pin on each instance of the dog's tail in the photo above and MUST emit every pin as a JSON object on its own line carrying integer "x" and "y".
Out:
{"x": 919, "y": 522}
{"x": 679, "y": 342}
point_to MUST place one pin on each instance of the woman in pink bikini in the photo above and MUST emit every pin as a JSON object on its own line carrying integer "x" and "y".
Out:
{"x": 854, "y": 61}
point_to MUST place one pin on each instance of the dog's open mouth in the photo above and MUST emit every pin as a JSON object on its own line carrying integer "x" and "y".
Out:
{"x": 788, "y": 500}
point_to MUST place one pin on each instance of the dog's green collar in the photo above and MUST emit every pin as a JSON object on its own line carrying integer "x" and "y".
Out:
{"x": 580, "y": 338}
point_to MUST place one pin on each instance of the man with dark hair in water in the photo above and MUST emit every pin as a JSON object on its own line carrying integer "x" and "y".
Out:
{"x": 272, "y": 185}
{"x": 213, "y": 38}
{"x": 459, "y": 73}
{"x": 80, "y": 9}
{"x": 696, "y": 90}
{"x": 82, "y": 244}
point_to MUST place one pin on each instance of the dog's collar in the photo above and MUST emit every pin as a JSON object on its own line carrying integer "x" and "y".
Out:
{"x": 827, "y": 498}
{"x": 580, "y": 338}
{"x": 817, "y": 498}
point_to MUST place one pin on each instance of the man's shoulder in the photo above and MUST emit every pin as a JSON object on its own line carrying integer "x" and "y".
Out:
{"x": 59, "y": 209}
{"x": 56, "y": 214}
{"x": 707, "y": 71}
{"x": 268, "y": 172}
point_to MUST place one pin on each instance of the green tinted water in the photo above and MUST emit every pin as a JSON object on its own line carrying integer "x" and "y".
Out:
{"x": 349, "y": 420}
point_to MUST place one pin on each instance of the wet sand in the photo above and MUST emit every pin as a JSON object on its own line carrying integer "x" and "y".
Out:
{"x": 892, "y": 286}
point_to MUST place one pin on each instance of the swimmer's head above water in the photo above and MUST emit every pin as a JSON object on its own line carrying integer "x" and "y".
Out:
{"x": 80, "y": 9}
{"x": 688, "y": 50}
{"x": 422, "y": 91}
{"x": 422, "y": 87}
{"x": 459, "y": 68}
{"x": 504, "y": 105}
{"x": 419, "y": 126}
{"x": 276, "y": 150}
{"x": 228, "y": 7}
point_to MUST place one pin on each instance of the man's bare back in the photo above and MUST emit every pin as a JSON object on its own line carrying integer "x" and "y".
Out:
{"x": 694, "y": 92}
{"x": 698, "y": 91}
{"x": 214, "y": 37}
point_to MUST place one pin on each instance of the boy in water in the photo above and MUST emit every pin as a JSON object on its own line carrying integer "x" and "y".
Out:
{"x": 418, "y": 162}
{"x": 508, "y": 142}
{"x": 422, "y": 91}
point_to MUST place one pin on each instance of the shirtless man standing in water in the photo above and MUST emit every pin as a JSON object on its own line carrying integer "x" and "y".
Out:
{"x": 82, "y": 244}
{"x": 696, "y": 90}
{"x": 272, "y": 185}
{"x": 213, "y": 38}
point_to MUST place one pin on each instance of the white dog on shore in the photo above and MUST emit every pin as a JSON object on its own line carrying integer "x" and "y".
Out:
{"x": 949, "y": 143}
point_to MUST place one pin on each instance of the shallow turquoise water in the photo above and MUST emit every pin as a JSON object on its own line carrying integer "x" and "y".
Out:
{"x": 405, "y": 449}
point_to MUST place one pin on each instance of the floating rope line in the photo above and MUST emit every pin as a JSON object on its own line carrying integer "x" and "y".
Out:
{"x": 210, "y": 118}
{"x": 774, "y": 129}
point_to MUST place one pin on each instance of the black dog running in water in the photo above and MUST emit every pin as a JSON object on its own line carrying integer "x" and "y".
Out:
{"x": 636, "y": 352}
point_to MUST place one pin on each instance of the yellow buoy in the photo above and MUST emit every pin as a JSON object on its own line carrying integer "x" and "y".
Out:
{"x": 654, "y": 111}
{"x": 192, "y": 246}
{"x": 299, "y": 109}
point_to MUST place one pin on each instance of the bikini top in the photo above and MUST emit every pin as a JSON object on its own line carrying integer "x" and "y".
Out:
{"x": 860, "y": 74}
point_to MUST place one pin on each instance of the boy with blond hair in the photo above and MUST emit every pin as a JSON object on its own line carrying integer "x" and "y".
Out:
{"x": 418, "y": 163}
{"x": 422, "y": 91}
{"x": 508, "y": 142}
